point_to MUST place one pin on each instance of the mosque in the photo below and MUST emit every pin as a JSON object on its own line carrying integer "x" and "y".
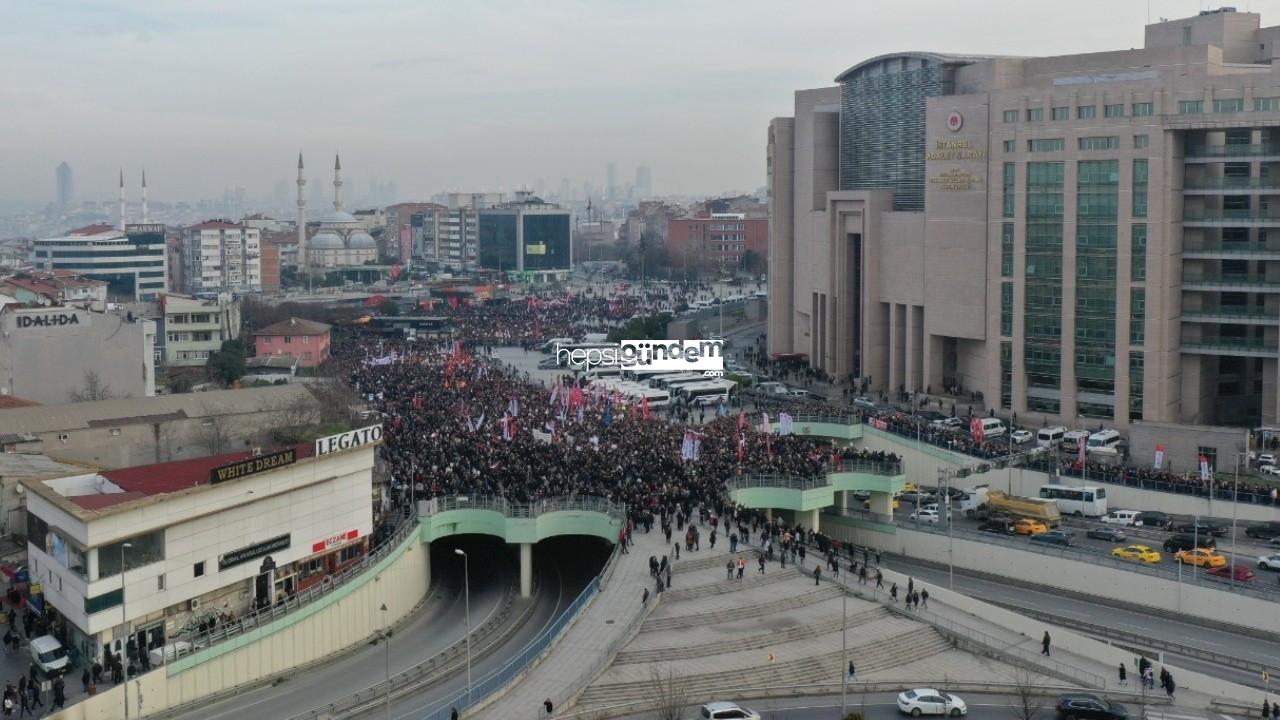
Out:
{"x": 339, "y": 240}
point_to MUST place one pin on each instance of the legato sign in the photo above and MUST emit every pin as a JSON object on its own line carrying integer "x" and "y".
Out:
{"x": 348, "y": 440}
{"x": 50, "y": 320}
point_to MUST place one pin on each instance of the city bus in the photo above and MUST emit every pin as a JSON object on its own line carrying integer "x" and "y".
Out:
{"x": 657, "y": 398}
{"x": 1081, "y": 500}
{"x": 673, "y": 382}
{"x": 643, "y": 375}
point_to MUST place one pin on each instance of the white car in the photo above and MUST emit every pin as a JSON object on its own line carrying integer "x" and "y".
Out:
{"x": 1269, "y": 470}
{"x": 927, "y": 701}
{"x": 927, "y": 516}
{"x": 1267, "y": 459}
{"x": 1022, "y": 436}
{"x": 727, "y": 711}
{"x": 1269, "y": 562}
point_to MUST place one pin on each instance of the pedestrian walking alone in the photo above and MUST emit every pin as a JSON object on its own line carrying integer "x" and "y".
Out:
{"x": 1124, "y": 682}
{"x": 1044, "y": 643}
{"x": 879, "y": 579}
{"x": 817, "y": 574}
{"x": 924, "y": 598}
{"x": 644, "y": 599}
{"x": 853, "y": 675}
{"x": 893, "y": 592}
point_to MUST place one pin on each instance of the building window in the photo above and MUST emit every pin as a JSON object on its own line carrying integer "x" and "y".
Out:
{"x": 1266, "y": 104}
{"x": 1042, "y": 302}
{"x": 287, "y": 340}
{"x": 1045, "y": 145}
{"x": 1011, "y": 116}
{"x": 1110, "y": 142}
{"x": 1138, "y": 252}
{"x": 306, "y": 355}
{"x": 105, "y": 601}
{"x": 1006, "y": 250}
{"x": 1007, "y": 196}
{"x": 160, "y": 582}
{"x": 1137, "y": 365}
{"x": 145, "y": 549}
{"x": 1139, "y": 188}
{"x": 1097, "y": 210}
{"x": 266, "y": 339}
{"x": 1113, "y": 111}
{"x": 1086, "y": 112}
{"x": 1137, "y": 315}
{"x": 1006, "y": 309}
{"x": 1190, "y": 107}
{"x": 1228, "y": 106}
{"x": 1141, "y": 141}
{"x": 1061, "y": 113}
{"x": 1009, "y": 146}
{"x": 197, "y": 570}
{"x": 1006, "y": 374}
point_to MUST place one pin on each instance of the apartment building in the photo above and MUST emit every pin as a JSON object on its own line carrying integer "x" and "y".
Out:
{"x": 220, "y": 256}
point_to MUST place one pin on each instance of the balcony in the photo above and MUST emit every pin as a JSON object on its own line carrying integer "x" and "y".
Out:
{"x": 1230, "y": 283}
{"x": 1211, "y": 153}
{"x": 1229, "y": 251}
{"x": 1229, "y": 315}
{"x": 1229, "y": 218}
{"x": 1231, "y": 186}
{"x": 1238, "y": 347}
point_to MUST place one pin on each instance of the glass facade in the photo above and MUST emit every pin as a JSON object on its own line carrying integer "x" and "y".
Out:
{"x": 497, "y": 234}
{"x": 1097, "y": 200}
{"x": 1137, "y": 366}
{"x": 1006, "y": 250}
{"x": 1006, "y": 374}
{"x": 1266, "y": 104}
{"x": 1143, "y": 109}
{"x": 1138, "y": 252}
{"x": 1137, "y": 315}
{"x": 1042, "y": 315}
{"x": 546, "y": 241}
{"x": 1190, "y": 107}
{"x": 1045, "y": 145}
{"x": 1105, "y": 142}
{"x": 1113, "y": 111}
{"x": 1228, "y": 106}
{"x": 1009, "y": 175}
{"x": 1006, "y": 309}
{"x": 1035, "y": 114}
{"x": 882, "y": 126}
{"x": 1139, "y": 188}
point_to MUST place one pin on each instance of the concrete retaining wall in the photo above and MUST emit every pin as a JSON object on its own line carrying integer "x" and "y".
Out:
{"x": 1055, "y": 572}
{"x": 346, "y": 618}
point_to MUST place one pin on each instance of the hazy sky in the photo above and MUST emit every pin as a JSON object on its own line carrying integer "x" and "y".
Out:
{"x": 470, "y": 94}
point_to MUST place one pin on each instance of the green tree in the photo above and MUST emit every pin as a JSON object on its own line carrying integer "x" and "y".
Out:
{"x": 227, "y": 364}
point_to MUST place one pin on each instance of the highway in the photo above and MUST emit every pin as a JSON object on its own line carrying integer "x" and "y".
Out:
{"x": 440, "y": 623}
{"x": 882, "y": 706}
{"x": 1242, "y": 644}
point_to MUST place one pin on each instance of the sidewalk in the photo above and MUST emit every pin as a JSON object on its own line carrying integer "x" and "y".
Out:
{"x": 588, "y": 646}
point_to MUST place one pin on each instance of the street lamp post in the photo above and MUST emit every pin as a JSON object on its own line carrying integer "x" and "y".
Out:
{"x": 386, "y": 640}
{"x": 124, "y": 621}
{"x": 466, "y": 581}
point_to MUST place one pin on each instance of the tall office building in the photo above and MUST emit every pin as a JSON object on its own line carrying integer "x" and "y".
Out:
{"x": 219, "y": 256}
{"x": 527, "y": 236}
{"x": 611, "y": 189}
{"x": 132, "y": 262}
{"x": 66, "y": 188}
{"x": 1078, "y": 239}
{"x": 644, "y": 182}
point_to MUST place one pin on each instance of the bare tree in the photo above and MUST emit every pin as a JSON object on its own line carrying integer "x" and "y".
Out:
{"x": 670, "y": 693}
{"x": 338, "y": 401}
{"x": 1026, "y": 699}
{"x": 215, "y": 432}
{"x": 164, "y": 438}
{"x": 92, "y": 389}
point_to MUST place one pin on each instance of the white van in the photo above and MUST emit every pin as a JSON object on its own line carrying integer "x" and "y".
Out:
{"x": 1051, "y": 436}
{"x": 1121, "y": 517}
{"x": 973, "y": 498}
{"x": 49, "y": 655}
{"x": 1103, "y": 442}
{"x": 993, "y": 427}
{"x": 1072, "y": 440}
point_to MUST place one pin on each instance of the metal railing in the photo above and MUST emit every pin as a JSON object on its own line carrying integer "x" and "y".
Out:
{"x": 834, "y": 418}
{"x": 499, "y": 504}
{"x": 1230, "y": 280}
{"x": 229, "y": 629}
{"x": 778, "y": 480}
{"x": 1193, "y": 576}
{"x": 871, "y": 467}
{"x": 1226, "y": 314}
{"x": 1231, "y": 183}
{"x": 1231, "y": 344}
{"x": 1213, "y": 151}
{"x": 498, "y": 679}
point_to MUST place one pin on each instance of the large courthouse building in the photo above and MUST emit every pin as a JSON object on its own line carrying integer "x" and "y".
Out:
{"x": 1083, "y": 236}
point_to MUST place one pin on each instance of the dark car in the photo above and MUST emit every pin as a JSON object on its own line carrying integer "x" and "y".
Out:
{"x": 1000, "y": 527}
{"x": 1152, "y": 518}
{"x": 1199, "y": 528}
{"x": 1053, "y": 537}
{"x": 1265, "y": 531}
{"x": 1089, "y": 707}
{"x": 1181, "y": 542}
{"x": 1110, "y": 534}
{"x": 914, "y": 498}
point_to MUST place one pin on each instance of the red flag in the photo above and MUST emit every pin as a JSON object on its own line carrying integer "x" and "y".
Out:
{"x": 453, "y": 302}
{"x": 742, "y": 446}
{"x": 644, "y": 408}
{"x": 742, "y": 419}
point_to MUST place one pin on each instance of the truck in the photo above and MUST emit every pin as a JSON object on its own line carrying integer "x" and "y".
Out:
{"x": 1046, "y": 511}
{"x": 973, "y": 498}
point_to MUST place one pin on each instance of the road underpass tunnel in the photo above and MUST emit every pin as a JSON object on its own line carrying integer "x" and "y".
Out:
{"x": 570, "y": 560}
{"x": 562, "y": 564}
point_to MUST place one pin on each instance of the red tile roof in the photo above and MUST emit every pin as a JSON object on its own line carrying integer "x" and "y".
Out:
{"x": 295, "y": 326}
{"x": 148, "y": 480}
{"x": 91, "y": 230}
{"x": 214, "y": 225}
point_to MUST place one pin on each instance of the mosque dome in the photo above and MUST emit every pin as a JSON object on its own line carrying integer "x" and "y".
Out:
{"x": 325, "y": 241}
{"x": 334, "y": 217}
{"x": 361, "y": 240}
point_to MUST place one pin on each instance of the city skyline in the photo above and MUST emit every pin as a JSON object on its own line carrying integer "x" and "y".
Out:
{"x": 648, "y": 86}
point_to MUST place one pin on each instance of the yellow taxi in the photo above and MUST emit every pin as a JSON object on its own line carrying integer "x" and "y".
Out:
{"x": 1141, "y": 553}
{"x": 1201, "y": 557}
{"x": 1027, "y": 526}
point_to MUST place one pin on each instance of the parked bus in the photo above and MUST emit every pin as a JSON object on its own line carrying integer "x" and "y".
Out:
{"x": 657, "y": 398}
{"x": 1085, "y": 501}
{"x": 643, "y": 374}
{"x": 706, "y": 393}
{"x": 549, "y": 346}
{"x": 673, "y": 383}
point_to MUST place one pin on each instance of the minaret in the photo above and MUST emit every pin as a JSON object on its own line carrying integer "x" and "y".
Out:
{"x": 146, "y": 217}
{"x": 337, "y": 183}
{"x": 302, "y": 219}
{"x": 121, "y": 199}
